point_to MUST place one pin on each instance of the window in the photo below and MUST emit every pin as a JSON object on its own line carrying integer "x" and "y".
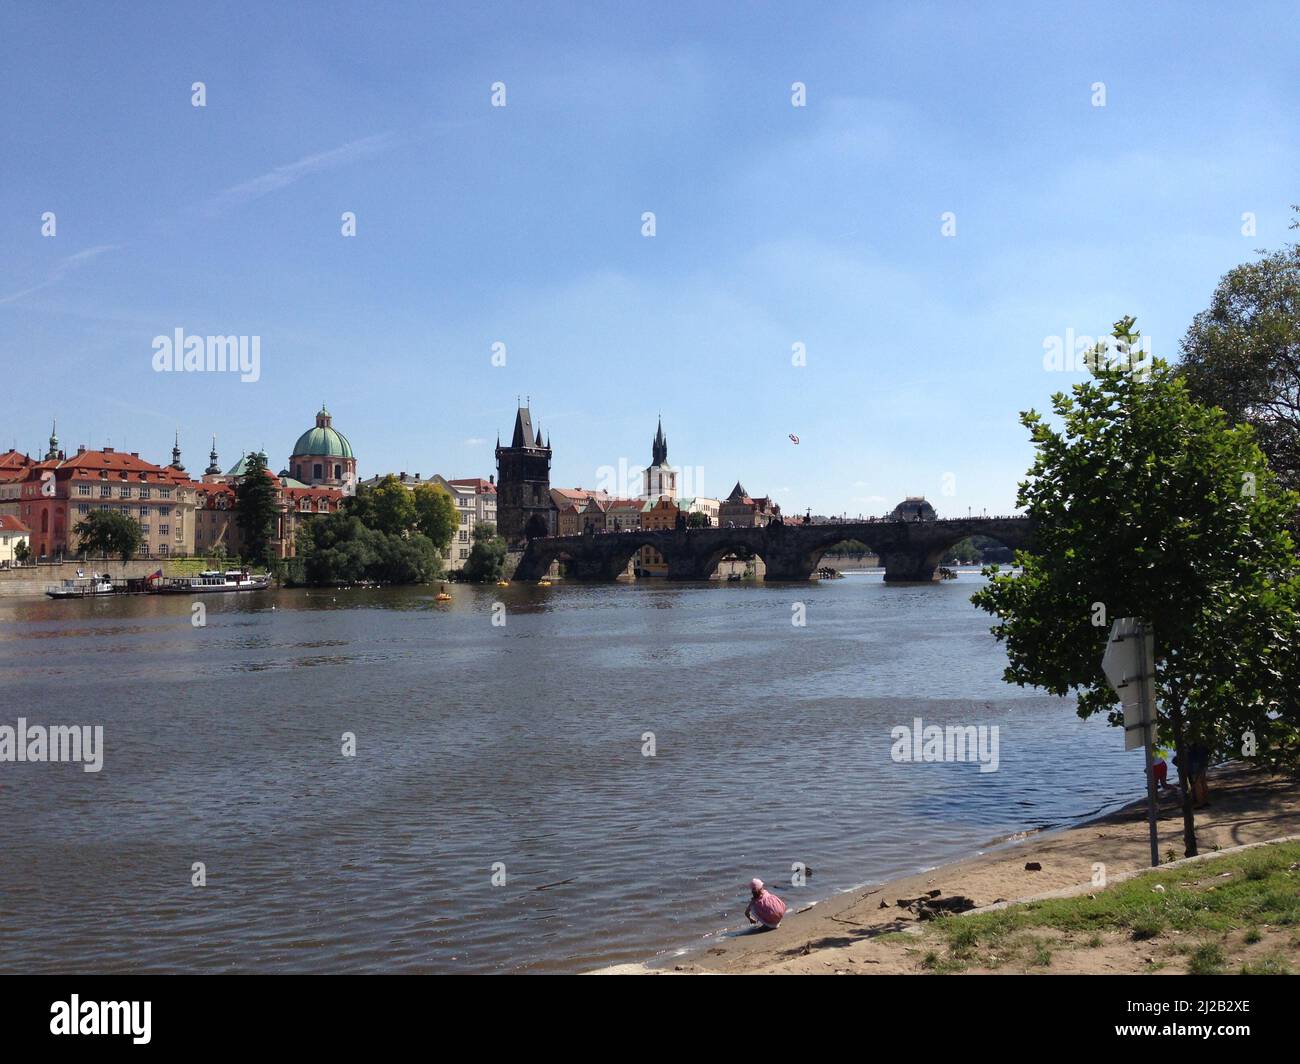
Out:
{"x": 146, "y": 493}
{"x": 105, "y": 490}
{"x": 162, "y": 548}
{"x": 464, "y": 537}
{"x": 83, "y": 508}
{"x": 315, "y": 471}
{"x": 338, "y": 472}
{"x": 464, "y": 553}
{"x": 164, "y": 511}
{"x": 144, "y": 530}
{"x": 163, "y": 530}
{"x": 164, "y": 493}
{"x": 83, "y": 489}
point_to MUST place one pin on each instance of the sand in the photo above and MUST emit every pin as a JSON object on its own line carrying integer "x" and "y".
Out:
{"x": 843, "y": 935}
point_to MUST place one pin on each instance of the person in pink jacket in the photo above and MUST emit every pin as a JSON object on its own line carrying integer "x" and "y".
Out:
{"x": 764, "y": 907}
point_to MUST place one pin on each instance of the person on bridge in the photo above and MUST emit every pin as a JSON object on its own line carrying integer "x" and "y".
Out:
{"x": 764, "y": 907}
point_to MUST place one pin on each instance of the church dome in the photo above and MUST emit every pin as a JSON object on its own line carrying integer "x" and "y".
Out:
{"x": 323, "y": 440}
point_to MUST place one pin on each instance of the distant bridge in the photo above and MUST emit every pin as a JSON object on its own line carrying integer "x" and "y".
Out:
{"x": 910, "y": 550}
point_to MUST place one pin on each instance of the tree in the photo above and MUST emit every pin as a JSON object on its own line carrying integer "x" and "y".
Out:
{"x": 697, "y": 519}
{"x": 22, "y": 552}
{"x": 257, "y": 510}
{"x": 435, "y": 514}
{"x": 108, "y": 532}
{"x": 340, "y": 549}
{"x": 1242, "y": 354}
{"x": 487, "y": 557}
{"x": 391, "y": 510}
{"x": 1148, "y": 504}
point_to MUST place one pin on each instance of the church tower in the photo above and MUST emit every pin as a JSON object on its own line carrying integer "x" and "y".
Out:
{"x": 524, "y": 483}
{"x": 659, "y": 479}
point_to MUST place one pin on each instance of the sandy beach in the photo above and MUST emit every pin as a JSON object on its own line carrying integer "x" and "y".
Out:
{"x": 865, "y": 932}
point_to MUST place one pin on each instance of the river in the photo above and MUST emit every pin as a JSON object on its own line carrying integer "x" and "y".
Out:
{"x": 513, "y": 752}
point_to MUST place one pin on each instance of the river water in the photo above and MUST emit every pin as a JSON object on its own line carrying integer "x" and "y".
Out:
{"x": 517, "y": 747}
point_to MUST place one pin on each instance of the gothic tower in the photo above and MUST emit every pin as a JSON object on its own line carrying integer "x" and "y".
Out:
{"x": 659, "y": 479}
{"x": 524, "y": 483}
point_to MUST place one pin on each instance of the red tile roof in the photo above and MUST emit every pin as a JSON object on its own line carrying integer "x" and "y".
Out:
{"x": 12, "y": 524}
{"x": 483, "y": 487}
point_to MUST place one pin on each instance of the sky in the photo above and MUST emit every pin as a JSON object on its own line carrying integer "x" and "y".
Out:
{"x": 775, "y": 225}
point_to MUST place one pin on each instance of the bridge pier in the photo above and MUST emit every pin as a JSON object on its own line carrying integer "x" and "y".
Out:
{"x": 785, "y": 570}
{"x": 910, "y": 567}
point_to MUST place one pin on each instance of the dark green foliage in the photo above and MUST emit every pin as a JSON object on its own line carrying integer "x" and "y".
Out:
{"x": 257, "y": 510}
{"x": 1150, "y": 505}
{"x": 487, "y": 558}
{"x": 108, "y": 532}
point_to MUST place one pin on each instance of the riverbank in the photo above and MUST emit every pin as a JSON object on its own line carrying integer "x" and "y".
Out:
{"x": 855, "y": 933}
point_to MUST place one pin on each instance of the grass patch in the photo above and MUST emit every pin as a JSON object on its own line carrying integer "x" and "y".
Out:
{"x": 1261, "y": 887}
{"x": 1207, "y": 959}
{"x": 1274, "y": 964}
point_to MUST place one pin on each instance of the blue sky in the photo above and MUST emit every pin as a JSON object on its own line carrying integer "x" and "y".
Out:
{"x": 521, "y": 224}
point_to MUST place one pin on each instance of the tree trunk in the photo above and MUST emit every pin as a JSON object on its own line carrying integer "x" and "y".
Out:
{"x": 1184, "y": 785}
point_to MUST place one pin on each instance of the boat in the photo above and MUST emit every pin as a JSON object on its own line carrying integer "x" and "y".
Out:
{"x": 81, "y": 587}
{"x": 214, "y": 580}
{"x": 543, "y": 583}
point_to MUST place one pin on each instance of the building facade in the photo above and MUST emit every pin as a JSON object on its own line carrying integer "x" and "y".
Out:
{"x": 13, "y": 535}
{"x": 13, "y": 471}
{"x": 741, "y": 510}
{"x": 59, "y": 492}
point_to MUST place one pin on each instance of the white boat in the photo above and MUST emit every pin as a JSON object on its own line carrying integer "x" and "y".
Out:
{"x": 81, "y": 587}
{"x": 214, "y": 580}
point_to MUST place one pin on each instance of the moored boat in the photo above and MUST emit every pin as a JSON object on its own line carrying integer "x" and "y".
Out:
{"x": 81, "y": 587}
{"x": 213, "y": 580}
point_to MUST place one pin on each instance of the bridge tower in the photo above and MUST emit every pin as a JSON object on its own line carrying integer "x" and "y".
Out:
{"x": 524, "y": 483}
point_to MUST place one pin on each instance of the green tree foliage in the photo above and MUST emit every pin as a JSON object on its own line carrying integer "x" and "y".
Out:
{"x": 108, "y": 532}
{"x": 1149, "y": 504}
{"x": 1242, "y": 353}
{"x": 487, "y": 557}
{"x": 436, "y": 516}
{"x": 342, "y": 550}
{"x": 22, "y": 552}
{"x": 697, "y": 519}
{"x": 391, "y": 509}
{"x": 256, "y": 510}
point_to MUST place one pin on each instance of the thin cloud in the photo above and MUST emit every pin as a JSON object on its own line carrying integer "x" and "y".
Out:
{"x": 61, "y": 269}
{"x": 291, "y": 173}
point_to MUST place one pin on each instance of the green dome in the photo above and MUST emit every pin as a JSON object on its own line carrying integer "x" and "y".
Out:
{"x": 323, "y": 441}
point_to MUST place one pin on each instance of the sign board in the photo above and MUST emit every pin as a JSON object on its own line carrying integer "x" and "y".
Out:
{"x": 1129, "y": 666}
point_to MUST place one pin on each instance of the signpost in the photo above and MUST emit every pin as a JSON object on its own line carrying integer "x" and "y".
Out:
{"x": 1130, "y": 668}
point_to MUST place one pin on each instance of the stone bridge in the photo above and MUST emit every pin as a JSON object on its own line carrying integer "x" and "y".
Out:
{"x": 909, "y": 550}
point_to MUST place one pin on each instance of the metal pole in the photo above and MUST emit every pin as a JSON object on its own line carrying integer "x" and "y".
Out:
{"x": 1148, "y": 726}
